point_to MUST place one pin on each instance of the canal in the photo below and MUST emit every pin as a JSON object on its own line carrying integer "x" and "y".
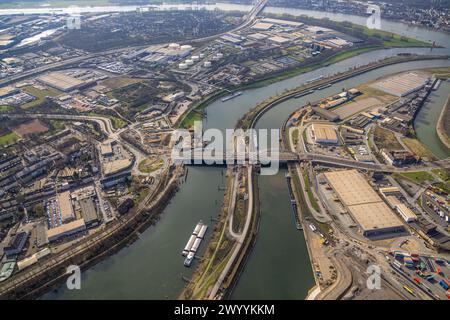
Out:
{"x": 428, "y": 116}
{"x": 278, "y": 268}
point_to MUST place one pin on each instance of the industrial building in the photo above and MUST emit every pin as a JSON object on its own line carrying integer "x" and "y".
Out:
{"x": 402, "y": 84}
{"x": 106, "y": 149}
{"x": 17, "y": 244}
{"x": 63, "y": 82}
{"x": 399, "y": 157}
{"x": 326, "y": 114}
{"x": 406, "y": 213}
{"x": 363, "y": 203}
{"x": 89, "y": 212}
{"x": 65, "y": 207}
{"x": 324, "y": 133}
{"x": 66, "y": 230}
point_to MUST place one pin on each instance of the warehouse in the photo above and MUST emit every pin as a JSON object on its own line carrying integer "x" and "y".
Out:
{"x": 106, "y": 149}
{"x": 406, "y": 213}
{"x": 66, "y": 230}
{"x": 65, "y": 207}
{"x": 325, "y": 134}
{"x": 63, "y": 82}
{"x": 363, "y": 203}
{"x": 402, "y": 84}
{"x": 89, "y": 212}
{"x": 326, "y": 114}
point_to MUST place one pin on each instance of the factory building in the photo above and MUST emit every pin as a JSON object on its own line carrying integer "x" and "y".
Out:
{"x": 65, "y": 207}
{"x": 402, "y": 84}
{"x": 66, "y": 230}
{"x": 63, "y": 82}
{"x": 406, "y": 213}
{"x": 324, "y": 134}
{"x": 326, "y": 114}
{"x": 89, "y": 212}
{"x": 362, "y": 202}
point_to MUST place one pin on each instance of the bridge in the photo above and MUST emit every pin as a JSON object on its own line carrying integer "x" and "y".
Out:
{"x": 267, "y": 157}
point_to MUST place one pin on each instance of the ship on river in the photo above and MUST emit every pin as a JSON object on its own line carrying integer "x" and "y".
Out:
{"x": 231, "y": 96}
{"x": 194, "y": 243}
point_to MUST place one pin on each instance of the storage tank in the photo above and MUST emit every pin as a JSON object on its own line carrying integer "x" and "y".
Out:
{"x": 196, "y": 244}
{"x": 207, "y": 64}
{"x": 202, "y": 232}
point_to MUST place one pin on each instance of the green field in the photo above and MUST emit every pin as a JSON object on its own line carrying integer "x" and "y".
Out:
{"x": 150, "y": 165}
{"x": 419, "y": 177}
{"x": 40, "y": 96}
{"x": 8, "y": 138}
{"x": 116, "y": 122}
{"x": 312, "y": 200}
{"x": 4, "y": 109}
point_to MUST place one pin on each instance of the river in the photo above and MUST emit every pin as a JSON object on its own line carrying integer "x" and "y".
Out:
{"x": 278, "y": 268}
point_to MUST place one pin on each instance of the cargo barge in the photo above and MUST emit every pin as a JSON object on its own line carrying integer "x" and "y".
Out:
{"x": 231, "y": 96}
{"x": 314, "y": 79}
{"x": 194, "y": 243}
{"x": 293, "y": 203}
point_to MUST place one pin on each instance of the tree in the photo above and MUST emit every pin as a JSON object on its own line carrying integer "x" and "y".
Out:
{"x": 39, "y": 210}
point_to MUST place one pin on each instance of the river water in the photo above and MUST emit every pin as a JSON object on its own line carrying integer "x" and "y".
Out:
{"x": 279, "y": 267}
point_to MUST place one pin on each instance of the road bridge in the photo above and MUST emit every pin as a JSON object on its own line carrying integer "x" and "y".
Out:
{"x": 267, "y": 157}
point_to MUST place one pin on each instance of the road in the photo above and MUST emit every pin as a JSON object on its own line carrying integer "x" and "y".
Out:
{"x": 249, "y": 19}
{"x": 240, "y": 238}
{"x": 105, "y": 125}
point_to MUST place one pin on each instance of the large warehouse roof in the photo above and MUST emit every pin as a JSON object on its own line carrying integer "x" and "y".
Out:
{"x": 325, "y": 132}
{"x": 66, "y": 229}
{"x": 61, "y": 81}
{"x": 363, "y": 203}
{"x": 65, "y": 205}
{"x": 375, "y": 215}
{"x": 351, "y": 187}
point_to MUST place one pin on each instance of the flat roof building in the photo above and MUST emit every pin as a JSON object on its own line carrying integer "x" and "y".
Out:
{"x": 327, "y": 114}
{"x": 324, "y": 133}
{"x": 61, "y": 81}
{"x": 89, "y": 212}
{"x": 65, "y": 207}
{"x": 66, "y": 230}
{"x": 406, "y": 213}
{"x": 363, "y": 203}
{"x": 262, "y": 26}
{"x": 402, "y": 84}
{"x": 106, "y": 149}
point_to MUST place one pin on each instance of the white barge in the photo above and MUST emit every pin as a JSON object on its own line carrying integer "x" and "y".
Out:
{"x": 194, "y": 243}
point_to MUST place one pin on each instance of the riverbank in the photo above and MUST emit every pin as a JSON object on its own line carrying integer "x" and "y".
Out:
{"x": 49, "y": 274}
{"x": 442, "y": 127}
{"x": 254, "y": 114}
